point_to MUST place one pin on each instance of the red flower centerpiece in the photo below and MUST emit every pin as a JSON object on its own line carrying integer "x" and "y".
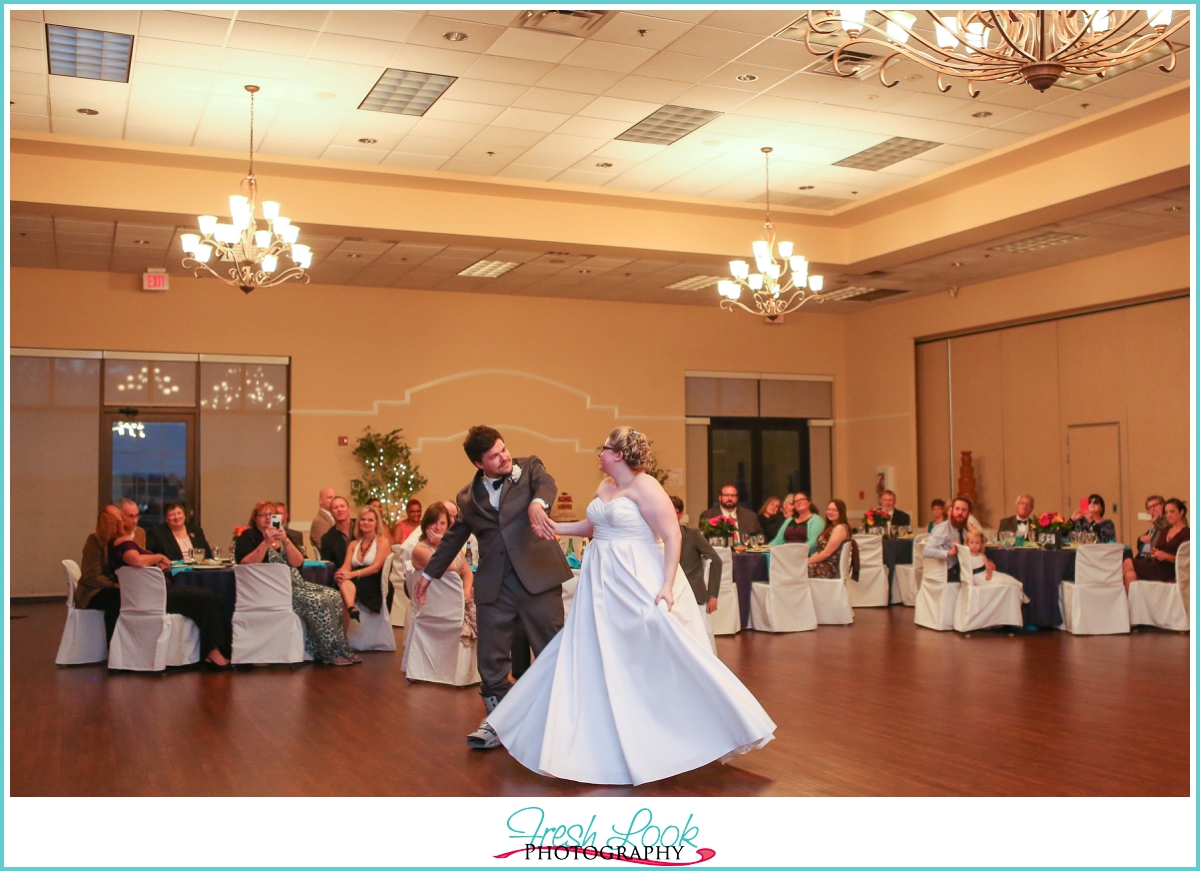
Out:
{"x": 720, "y": 527}
{"x": 876, "y": 518}
{"x": 1055, "y": 526}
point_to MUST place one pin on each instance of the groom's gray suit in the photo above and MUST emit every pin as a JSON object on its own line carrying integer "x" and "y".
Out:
{"x": 520, "y": 576}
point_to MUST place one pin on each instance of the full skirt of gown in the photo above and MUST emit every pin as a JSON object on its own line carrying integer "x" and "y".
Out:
{"x": 627, "y": 692}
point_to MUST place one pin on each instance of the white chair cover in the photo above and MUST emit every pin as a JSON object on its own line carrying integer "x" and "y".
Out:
{"x": 907, "y": 578}
{"x": 871, "y": 588}
{"x": 785, "y": 603}
{"x": 265, "y": 628}
{"x": 936, "y": 598}
{"x": 831, "y": 602}
{"x": 374, "y": 631}
{"x": 83, "y": 637}
{"x": 433, "y": 649}
{"x": 705, "y": 568}
{"x": 727, "y": 619}
{"x": 1167, "y": 606}
{"x": 401, "y": 569}
{"x": 568, "y": 591}
{"x": 1095, "y": 603}
{"x": 147, "y": 638}
{"x": 987, "y": 603}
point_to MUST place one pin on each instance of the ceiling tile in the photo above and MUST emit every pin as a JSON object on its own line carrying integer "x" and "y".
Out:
{"x": 68, "y": 94}
{"x": 301, "y": 122}
{"x": 32, "y": 123}
{"x": 784, "y": 54}
{"x": 608, "y": 56}
{"x": 29, "y": 104}
{"x": 712, "y": 42}
{"x": 580, "y": 79}
{"x": 647, "y": 89}
{"x": 500, "y": 154}
{"x": 780, "y": 108}
{"x": 942, "y": 131}
{"x": 1016, "y": 97}
{"x": 765, "y": 77}
{"x": 624, "y": 28}
{"x": 966, "y": 115}
{"x": 509, "y": 136}
{"x": 80, "y": 125}
{"x": 679, "y": 67}
{"x": 738, "y": 124}
{"x": 1034, "y": 122}
{"x": 457, "y": 130}
{"x": 492, "y": 93}
{"x": 529, "y": 119}
{"x": 30, "y": 83}
{"x": 1083, "y": 105}
{"x": 439, "y": 61}
{"x": 171, "y": 53}
{"x": 309, "y": 148}
{"x": 548, "y": 100}
{"x": 429, "y": 146}
{"x": 508, "y": 70}
{"x": 260, "y": 63}
{"x": 531, "y": 45}
{"x": 307, "y": 19}
{"x": 26, "y": 14}
{"x": 706, "y": 141}
{"x": 596, "y": 128}
{"x": 170, "y": 109}
{"x": 27, "y": 60}
{"x": 269, "y": 38}
{"x": 346, "y": 154}
{"x": 631, "y": 150}
{"x": 613, "y": 109}
{"x": 1131, "y": 86}
{"x": 353, "y": 49}
{"x": 234, "y": 85}
{"x": 181, "y": 27}
{"x": 764, "y": 22}
{"x": 592, "y": 163}
{"x": 991, "y": 139}
{"x": 456, "y": 110}
{"x": 393, "y": 25}
{"x": 27, "y": 34}
{"x": 174, "y": 78}
{"x": 113, "y": 20}
{"x": 467, "y": 166}
{"x": 432, "y": 29}
{"x": 714, "y": 99}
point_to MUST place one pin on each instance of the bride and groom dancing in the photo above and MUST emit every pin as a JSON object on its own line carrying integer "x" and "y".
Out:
{"x": 625, "y": 693}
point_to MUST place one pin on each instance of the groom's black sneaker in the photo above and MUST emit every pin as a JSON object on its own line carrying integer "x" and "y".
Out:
{"x": 483, "y": 738}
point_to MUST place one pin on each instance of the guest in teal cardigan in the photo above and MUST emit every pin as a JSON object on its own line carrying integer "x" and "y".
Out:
{"x": 802, "y": 527}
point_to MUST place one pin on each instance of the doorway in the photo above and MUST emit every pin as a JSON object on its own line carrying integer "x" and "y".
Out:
{"x": 149, "y": 457}
{"x": 1094, "y": 466}
{"x": 763, "y": 457}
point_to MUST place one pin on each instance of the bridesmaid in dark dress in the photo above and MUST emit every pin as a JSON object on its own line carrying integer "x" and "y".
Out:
{"x": 200, "y": 606}
{"x": 1160, "y": 564}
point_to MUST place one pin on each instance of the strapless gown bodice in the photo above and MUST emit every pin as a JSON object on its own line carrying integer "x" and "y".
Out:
{"x": 619, "y": 519}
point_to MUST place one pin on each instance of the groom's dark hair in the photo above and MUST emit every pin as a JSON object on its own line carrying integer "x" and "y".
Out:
{"x": 480, "y": 440}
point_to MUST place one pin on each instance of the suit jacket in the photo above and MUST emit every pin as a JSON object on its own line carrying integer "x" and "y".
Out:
{"x": 692, "y": 554}
{"x": 900, "y": 518}
{"x": 747, "y": 520}
{"x": 95, "y": 574}
{"x": 1009, "y": 524}
{"x": 505, "y": 537}
{"x": 320, "y": 525}
{"x": 162, "y": 540}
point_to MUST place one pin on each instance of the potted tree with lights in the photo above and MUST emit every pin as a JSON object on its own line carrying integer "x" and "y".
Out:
{"x": 388, "y": 473}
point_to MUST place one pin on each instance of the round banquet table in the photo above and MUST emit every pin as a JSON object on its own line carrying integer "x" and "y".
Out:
{"x": 221, "y": 582}
{"x": 1041, "y": 573}
{"x": 747, "y": 569}
{"x": 897, "y": 551}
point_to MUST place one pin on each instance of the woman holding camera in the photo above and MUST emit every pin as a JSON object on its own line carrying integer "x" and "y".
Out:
{"x": 319, "y": 607}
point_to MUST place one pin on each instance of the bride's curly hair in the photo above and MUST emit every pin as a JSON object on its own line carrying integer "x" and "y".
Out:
{"x": 633, "y": 445}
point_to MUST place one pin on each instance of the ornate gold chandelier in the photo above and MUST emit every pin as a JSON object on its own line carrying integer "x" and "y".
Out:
{"x": 253, "y": 257}
{"x": 780, "y": 285}
{"x": 1001, "y": 45}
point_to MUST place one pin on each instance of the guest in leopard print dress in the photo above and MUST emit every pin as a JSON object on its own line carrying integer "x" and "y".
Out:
{"x": 319, "y": 607}
{"x": 826, "y": 562}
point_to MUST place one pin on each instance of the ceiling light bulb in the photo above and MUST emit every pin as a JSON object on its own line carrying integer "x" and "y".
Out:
{"x": 945, "y": 32}
{"x": 281, "y": 223}
{"x": 454, "y": 36}
{"x": 739, "y": 269}
{"x": 190, "y": 242}
{"x": 977, "y": 35}
{"x": 270, "y": 210}
{"x": 755, "y": 281}
{"x": 208, "y": 223}
{"x": 290, "y": 233}
{"x": 1099, "y": 20}
{"x": 785, "y": 250}
{"x": 899, "y": 24}
{"x": 816, "y": 282}
{"x": 225, "y": 233}
{"x": 726, "y": 288}
{"x": 853, "y": 20}
{"x": 762, "y": 248}
{"x": 238, "y": 204}
{"x": 773, "y": 271}
{"x": 202, "y": 253}
{"x": 799, "y": 270}
{"x": 269, "y": 263}
{"x": 262, "y": 238}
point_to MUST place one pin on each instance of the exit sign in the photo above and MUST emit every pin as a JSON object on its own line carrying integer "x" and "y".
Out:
{"x": 156, "y": 280}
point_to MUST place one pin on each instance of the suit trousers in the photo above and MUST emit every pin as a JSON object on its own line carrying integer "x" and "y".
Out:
{"x": 107, "y": 600}
{"x": 539, "y": 615}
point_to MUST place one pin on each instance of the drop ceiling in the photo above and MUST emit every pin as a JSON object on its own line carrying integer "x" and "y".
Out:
{"x": 537, "y": 106}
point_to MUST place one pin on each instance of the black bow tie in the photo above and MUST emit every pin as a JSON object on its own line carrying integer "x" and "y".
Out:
{"x": 498, "y": 483}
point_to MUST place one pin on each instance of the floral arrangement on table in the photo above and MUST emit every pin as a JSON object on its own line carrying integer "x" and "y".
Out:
{"x": 876, "y": 518}
{"x": 720, "y": 527}
{"x": 1052, "y": 521}
{"x": 237, "y": 533}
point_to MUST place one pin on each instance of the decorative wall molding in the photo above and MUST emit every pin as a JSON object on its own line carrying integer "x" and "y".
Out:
{"x": 503, "y": 427}
{"x": 874, "y": 417}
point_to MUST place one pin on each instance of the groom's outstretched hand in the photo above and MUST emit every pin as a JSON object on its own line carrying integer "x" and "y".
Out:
{"x": 542, "y": 525}
{"x": 420, "y": 585}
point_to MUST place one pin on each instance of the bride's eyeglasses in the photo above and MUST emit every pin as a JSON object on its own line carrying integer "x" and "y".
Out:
{"x": 604, "y": 448}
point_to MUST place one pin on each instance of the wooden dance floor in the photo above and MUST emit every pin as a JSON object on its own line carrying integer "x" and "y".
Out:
{"x": 877, "y": 708}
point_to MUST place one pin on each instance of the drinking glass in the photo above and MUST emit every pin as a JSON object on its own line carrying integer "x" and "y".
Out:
{"x": 198, "y": 554}
{"x": 216, "y": 552}
{"x": 190, "y": 556}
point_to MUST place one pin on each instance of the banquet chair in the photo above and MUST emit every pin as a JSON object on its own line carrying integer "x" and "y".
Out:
{"x": 401, "y": 605}
{"x": 936, "y": 597}
{"x": 785, "y": 602}
{"x": 265, "y": 628}
{"x": 311, "y": 552}
{"x": 433, "y": 648}
{"x": 831, "y": 602}
{"x": 83, "y": 638}
{"x": 373, "y": 631}
{"x": 908, "y": 577}
{"x": 147, "y": 638}
{"x": 568, "y": 591}
{"x": 1167, "y": 606}
{"x": 727, "y": 619}
{"x": 981, "y": 606}
{"x": 871, "y": 588}
{"x": 705, "y": 568}
{"x": 1095, "y": 602}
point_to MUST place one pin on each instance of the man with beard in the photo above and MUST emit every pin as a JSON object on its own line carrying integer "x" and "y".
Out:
{"x": 941, "y": 542}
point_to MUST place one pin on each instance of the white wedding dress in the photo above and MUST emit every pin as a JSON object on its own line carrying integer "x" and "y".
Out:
{"x": 626, "y": 693}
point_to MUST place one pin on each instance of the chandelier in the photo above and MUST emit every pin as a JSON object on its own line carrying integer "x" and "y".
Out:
{"x": 250, "y": 257}
{"x": 780, "y": 285}
{"x": 1001, "y": 45}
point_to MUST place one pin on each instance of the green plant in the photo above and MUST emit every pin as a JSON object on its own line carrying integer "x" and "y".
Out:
{"x": 652, "y": 469}
{"x": 388, "y": 473}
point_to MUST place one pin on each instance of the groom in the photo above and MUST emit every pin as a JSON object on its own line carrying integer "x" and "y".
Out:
{"x": 521, "y": 568}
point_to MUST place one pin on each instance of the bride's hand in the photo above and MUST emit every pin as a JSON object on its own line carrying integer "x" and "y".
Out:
{"x": 664, "y": 595}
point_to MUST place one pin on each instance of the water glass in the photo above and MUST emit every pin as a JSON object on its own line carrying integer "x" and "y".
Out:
{"x": 190, "y": 556}
{"x": 198, "y": 554}
{"x": 216, "y": 553}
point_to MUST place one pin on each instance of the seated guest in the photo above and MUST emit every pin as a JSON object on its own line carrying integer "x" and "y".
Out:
{"x": 294, "y": 535}
{"x": 887, "y": 504}
{"x": 1160, "y": 564}
{"x": 97, "y": 587}
{"x": 694, "y": 550}
{"x": 176, "y": 538}
{"x": 409, "y": 523}
{"x": 826, "y": 561}
{"x": 359, "y": 576}
{"x": 319, "y": 607}
{"x": 1093, "y": 520}
{"x": 803, "y": 527}
{"x": 200, "y": 606}
{"x": 1022, "y": 523}
{"x": 336, "y": 541}
{"x": 324, "y": 519}
{"x": 434, "y": 524}
{"x": 130, "y": 515}
{"x": 952, "y": 531}
{"x": 1158, "y": 522}
{"x": 983, "y": 570}
{"x": 938, "y": 509}
{"x": 770, "y": 517}
{"x": 727, "y": 505}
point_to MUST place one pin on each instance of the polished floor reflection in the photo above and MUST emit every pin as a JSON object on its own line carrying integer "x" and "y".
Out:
{"x": 879, "y": 708}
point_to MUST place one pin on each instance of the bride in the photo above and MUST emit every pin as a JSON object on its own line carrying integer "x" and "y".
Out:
{"x": 625, "y": 693}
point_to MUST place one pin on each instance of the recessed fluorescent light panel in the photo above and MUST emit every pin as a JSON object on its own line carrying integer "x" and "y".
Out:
{"x": 488, "y": 269}
{"x": 1037, "y": 243}
{"x": 846, "y": 292}
{"x": 669, "y": 124}
{"x": 696, "y": 282}
{"x": 88, "y": 54}
{"x": 406, "y": 92}
{"x": 885, "y": 154}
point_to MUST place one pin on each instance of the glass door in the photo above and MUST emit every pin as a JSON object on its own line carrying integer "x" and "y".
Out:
{"x": 149, "y": 457}
{"x": 763, "y": 457}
